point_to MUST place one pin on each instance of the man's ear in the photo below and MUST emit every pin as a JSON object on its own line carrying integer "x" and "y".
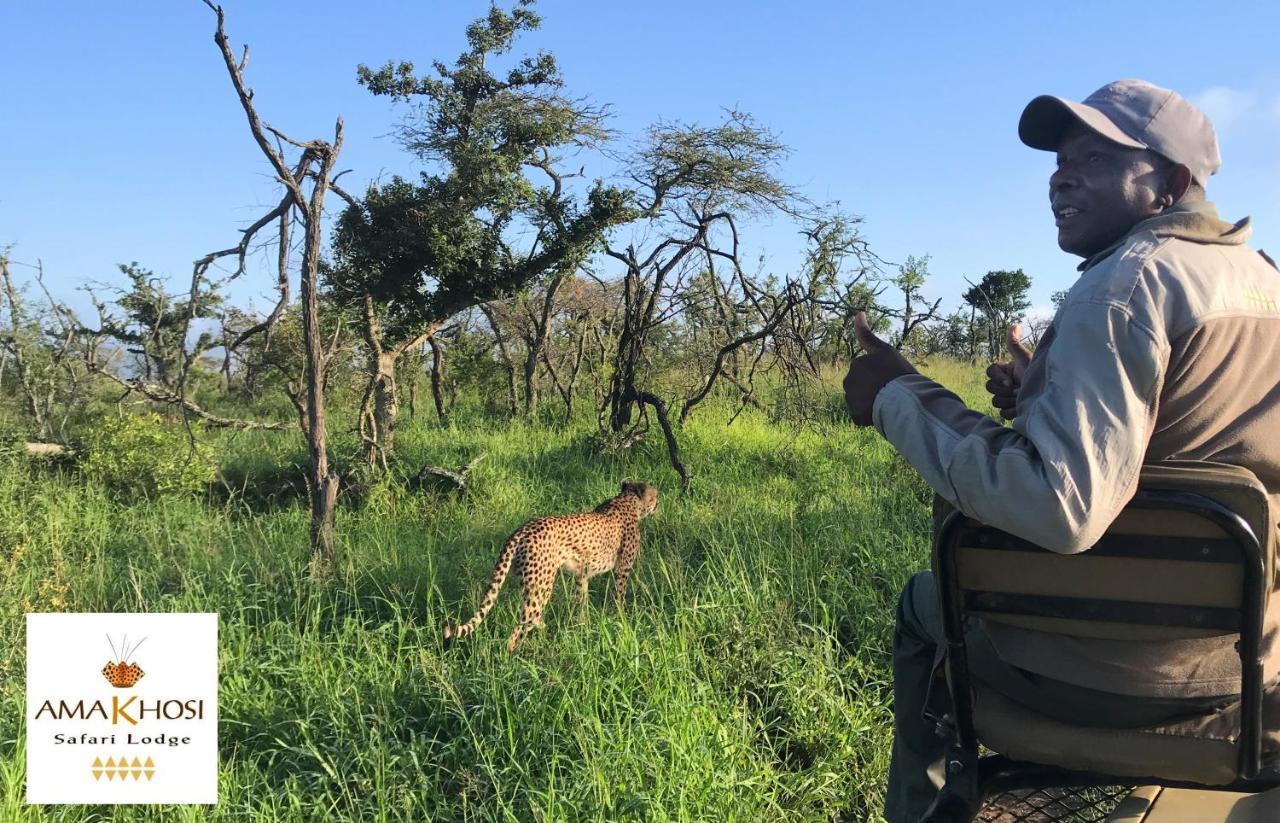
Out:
{"x": 1177, "y": 179}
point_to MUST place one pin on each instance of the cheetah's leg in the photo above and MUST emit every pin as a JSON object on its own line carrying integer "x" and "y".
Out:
{"x": 582, "y": 597}
{"x": 627, "y": 554}
{"x": 537, "y": 585}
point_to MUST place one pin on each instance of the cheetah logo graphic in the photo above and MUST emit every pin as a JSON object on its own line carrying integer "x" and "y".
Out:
{"x": 119, "y": 671}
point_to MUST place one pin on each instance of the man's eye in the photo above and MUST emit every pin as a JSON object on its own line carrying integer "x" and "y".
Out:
{"x": 1094, "y": 157}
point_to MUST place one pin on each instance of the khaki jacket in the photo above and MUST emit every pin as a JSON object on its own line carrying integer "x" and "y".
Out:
{"x": 1167, "y": 347}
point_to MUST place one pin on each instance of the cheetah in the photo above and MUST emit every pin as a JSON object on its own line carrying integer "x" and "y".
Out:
{"x": 585, "y": 544}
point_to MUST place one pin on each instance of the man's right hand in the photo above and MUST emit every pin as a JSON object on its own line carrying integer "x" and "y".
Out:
{"x": 1004, "y": 379}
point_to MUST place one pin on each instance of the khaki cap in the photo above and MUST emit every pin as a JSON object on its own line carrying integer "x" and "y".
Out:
{"x": 1133, "y": 113}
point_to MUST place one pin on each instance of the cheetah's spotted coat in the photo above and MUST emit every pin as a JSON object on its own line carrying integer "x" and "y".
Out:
{"x": 585, "y": 544}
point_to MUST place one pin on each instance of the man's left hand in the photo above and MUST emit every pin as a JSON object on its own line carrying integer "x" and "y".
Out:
{"x": 878, "y": 366}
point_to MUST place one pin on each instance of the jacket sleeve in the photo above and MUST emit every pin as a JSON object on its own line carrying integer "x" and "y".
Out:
{"x": 1070, "y": 462}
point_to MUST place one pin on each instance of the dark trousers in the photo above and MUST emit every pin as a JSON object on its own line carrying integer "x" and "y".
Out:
{"x": 919, "y": 693}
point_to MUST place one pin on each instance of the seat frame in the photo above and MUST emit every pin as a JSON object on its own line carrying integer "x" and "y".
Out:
{"x": 970, "y": 779}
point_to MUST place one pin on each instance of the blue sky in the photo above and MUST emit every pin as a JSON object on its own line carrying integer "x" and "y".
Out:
{"x": 122, "y": 139}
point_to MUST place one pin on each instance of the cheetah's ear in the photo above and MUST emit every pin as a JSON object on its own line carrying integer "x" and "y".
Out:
{"x": 628, "y": 486}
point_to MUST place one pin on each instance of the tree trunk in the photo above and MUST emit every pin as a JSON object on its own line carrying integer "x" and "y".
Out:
{"x": 973, "y": 335}
{"x": 380, "y": 407}
{"x": 530, "y": 390}
{"x": 386, "y": 406}
{"x": 505, "y": 354}
{"x": 324, "y": 483}
{"x": 538, "y": 343}
{"x": 571, "y": 387}
{"x": 437, "y": 381}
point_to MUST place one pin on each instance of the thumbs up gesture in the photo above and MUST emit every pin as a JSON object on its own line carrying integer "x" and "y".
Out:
{"x": 1004, "y": 379}
{"x": 879, "y": 365}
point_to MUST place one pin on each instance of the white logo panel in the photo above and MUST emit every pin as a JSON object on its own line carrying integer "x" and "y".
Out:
{"x": 122, "y": 708}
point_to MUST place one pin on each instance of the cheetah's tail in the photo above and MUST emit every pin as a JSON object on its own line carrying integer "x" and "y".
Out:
{"x": 452, "y": 631}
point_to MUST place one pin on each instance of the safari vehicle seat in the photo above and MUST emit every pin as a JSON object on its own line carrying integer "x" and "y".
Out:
{"x": 1191, "y": 556}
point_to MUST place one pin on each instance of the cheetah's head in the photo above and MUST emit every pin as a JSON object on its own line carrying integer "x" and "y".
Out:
{"x": 648, "y": 496}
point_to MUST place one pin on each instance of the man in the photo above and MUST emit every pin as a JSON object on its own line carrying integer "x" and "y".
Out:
{"x": 1168, "y": 346}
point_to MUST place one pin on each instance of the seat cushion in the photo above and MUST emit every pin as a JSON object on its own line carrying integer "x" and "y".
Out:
{"x": 1151, "y": 804}
{"x": 1200, "y": 749}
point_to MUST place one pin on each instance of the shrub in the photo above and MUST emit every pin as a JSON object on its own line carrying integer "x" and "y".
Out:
{"x": 143, "y": 455}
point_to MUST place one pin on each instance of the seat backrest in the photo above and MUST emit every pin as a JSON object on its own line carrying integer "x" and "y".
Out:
{"x": 1174, "y": 571}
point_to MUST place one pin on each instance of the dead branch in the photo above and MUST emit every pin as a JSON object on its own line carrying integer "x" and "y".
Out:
{"x": 673, "y": 448}
{"x": 158, "y": 393}
{"x": 459, "y": 479}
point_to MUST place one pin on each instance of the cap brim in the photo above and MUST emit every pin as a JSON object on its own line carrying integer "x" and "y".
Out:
{"x": 1046, "y": 119}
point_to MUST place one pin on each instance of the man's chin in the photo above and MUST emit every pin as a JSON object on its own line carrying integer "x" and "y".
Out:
{"x": 1071, "y": 244}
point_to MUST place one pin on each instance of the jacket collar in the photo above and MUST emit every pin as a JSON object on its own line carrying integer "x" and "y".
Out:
{"x": 1197, "y": 222}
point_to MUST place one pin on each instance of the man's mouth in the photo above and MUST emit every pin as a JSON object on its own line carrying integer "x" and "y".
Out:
{"x": 1064, "y": 214}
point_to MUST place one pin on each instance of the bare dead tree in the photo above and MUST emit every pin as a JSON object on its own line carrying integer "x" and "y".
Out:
{"x": 648, "y": 283}
{"x": 581, "y": 316}
{"x": 777, "y": 313}
{"x": 13, "y": 347}
{"x": 751, "y": 319}
{"x": 577, "y": 333}
{"x": 49, "y": 373}
{"x": 305, "y": 185}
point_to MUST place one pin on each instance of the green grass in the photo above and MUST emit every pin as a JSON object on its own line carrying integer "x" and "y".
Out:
{"x": 748, "y": 680}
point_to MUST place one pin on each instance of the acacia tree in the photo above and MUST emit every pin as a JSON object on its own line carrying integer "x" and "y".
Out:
{"x": 692, "y": 183}
{"x": 843, "y": 275}
{"x": 410, "y": 256}
{"x": 539, "y": 310}
{"x": 1000, "y": 298}
{"x": 154, "y": 323}
{"x": 839, "y": 278}
{"x": 915, "y": 311}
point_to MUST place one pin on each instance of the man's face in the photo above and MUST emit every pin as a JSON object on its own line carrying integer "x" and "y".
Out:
{"x": 1101, "y": 189}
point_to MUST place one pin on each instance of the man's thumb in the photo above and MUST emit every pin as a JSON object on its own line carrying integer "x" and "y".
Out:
{"x": 866, "y": 338}
{"x": 1021, "y": 354}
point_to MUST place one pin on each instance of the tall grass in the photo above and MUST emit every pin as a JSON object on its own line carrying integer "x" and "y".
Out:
{"x": 748, "y": 678}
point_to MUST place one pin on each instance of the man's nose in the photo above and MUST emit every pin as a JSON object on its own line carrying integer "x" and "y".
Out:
{"x": 1061, "y": 180}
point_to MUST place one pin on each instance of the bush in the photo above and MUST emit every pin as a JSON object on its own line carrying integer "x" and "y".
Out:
{"x": 142, "y": 455}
